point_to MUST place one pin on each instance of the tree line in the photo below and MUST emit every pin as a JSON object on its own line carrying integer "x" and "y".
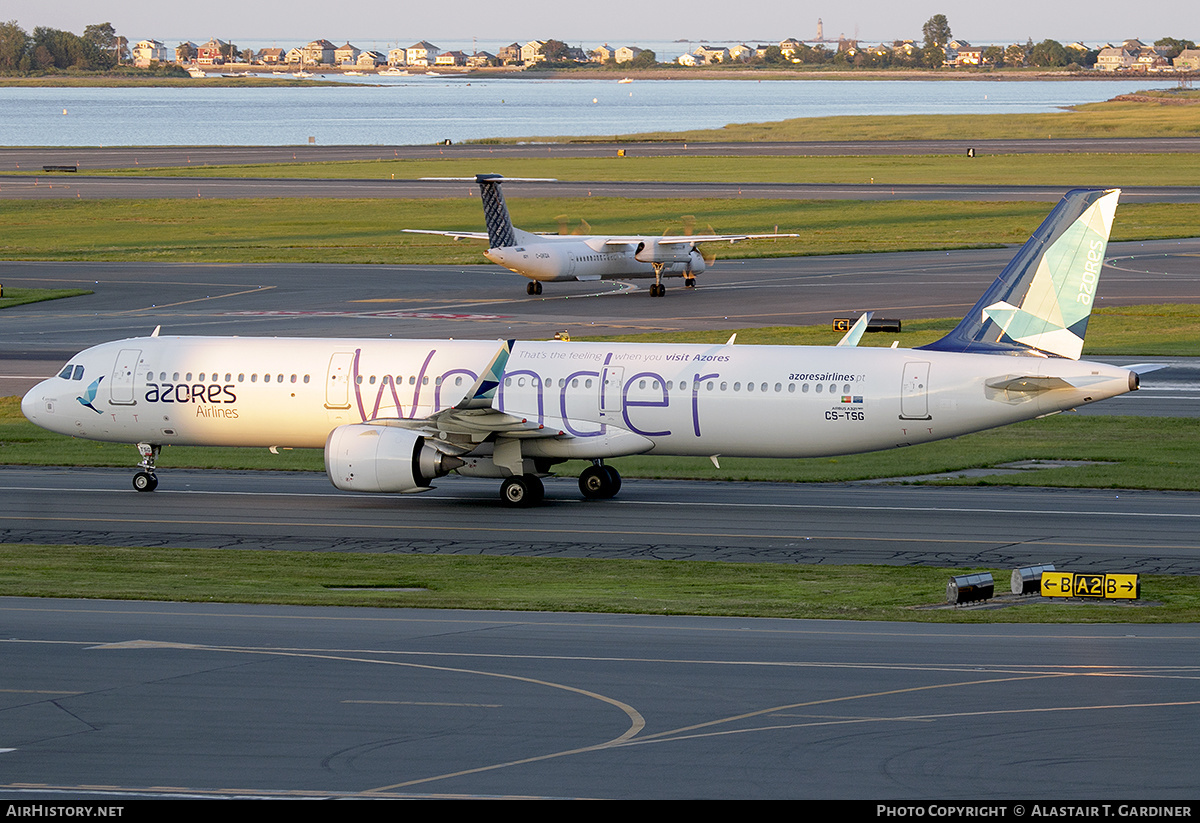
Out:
{"x": 99, "y": 48}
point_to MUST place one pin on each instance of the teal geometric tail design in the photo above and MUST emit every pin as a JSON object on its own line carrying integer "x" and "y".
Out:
{"x": 1043, "y": 298}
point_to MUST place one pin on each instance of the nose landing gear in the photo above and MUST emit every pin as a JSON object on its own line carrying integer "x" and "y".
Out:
{"x": 145, "y": 480}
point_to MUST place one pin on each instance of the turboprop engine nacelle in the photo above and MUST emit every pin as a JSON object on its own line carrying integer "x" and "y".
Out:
{"x": 367, "y": 458}
{"x": 652, "y": 251}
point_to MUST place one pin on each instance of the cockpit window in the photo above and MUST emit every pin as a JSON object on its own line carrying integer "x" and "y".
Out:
{"x": 65, "y": 374}
{"x": 78, "y": 373}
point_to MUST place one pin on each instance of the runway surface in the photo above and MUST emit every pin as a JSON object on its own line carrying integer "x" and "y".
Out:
{"x": 71, "y": 187}
{"x": 91, "y": 158}
{"x": 107, "y": 701}
{"x": 1082, "y": 530}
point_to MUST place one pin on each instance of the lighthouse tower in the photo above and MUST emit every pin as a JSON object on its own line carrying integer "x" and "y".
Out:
{"x": 820, "y": 31}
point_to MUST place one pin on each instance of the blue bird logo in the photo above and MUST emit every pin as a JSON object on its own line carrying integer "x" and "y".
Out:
{"x": 90, "y": 395}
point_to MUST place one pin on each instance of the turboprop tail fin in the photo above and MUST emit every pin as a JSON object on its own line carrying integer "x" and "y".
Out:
{"x": 495, "y": 211}
{"x": 1042, "y": 300}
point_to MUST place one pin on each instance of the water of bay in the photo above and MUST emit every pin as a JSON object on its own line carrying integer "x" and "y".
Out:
{"x": 427, "y": 109}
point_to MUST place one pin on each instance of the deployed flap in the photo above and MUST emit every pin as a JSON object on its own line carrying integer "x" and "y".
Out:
{"x": 1043, "y": 298}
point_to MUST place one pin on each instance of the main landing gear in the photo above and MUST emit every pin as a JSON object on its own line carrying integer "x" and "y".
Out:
{"x": 599, "y": 482}
{"x": 596, "y": 482}
{"x": 145, "y": 480}
{"x": 533, "y": 287}
{"x": 522, "y": 490}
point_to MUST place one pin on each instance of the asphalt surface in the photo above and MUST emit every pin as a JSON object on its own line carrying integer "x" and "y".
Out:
{"x": 120, "y": 157}
{"x": 107, "y": 701}
{"x": 91, "y": 187}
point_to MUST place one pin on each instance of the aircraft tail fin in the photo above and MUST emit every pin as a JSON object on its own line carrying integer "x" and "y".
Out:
{"x": 1043, "y": 298}
{"x": 495, "y": 211}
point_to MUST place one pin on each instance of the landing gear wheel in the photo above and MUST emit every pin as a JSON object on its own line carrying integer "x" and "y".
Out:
{"x": 599, "y": 482}
{"x": 145, "y": 482}
{"x": 533, "y": 287}
{"x": 689, "y": 283}
{"x": 658, "y": 290}
{"x": 522, "y": 491}
{"x": 614, "y": 478}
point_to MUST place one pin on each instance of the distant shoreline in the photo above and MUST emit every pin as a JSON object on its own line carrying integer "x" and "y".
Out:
{"x": 265, "y": 77}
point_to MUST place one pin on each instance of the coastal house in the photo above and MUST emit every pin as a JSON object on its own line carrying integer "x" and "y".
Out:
{"x": 626, "y": 54}
{"x": 271, "y": 57}
{"x": 602, "y": 54}
{"x": 1116, "y": 58}
{"x": 397, "y": 57}
{"x": 147, "y": 52}
{"x": 690, "y": 60}
{"x": 510, "y": 54}
{"x": 969, "y": 56}
{"x": 185, "y": 52}
{"x": 741, "y": 53}
{"x": 1187, "y": 60}
{"x": 294, "y": 56}
{"x": 319, "y": 53}
{"x": 709, "y": 55}
{"x": 1149, "y": 58}
{"x": 346, "y": 55}
{"x": 451, "y": 58}
{"x": 212, "y": 53}
{"x": 421, "y": 54}
{"x": 482, "y": 58}
{"x": 370, "y": 59}
{"x": 531, "y": 52}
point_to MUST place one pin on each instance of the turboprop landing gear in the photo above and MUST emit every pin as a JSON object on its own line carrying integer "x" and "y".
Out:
{"x": 599, "y": 482}
{"x": 533, "y": 287}
{"x": 145, "y": 480}
{"x": 689, "y": 281}
{"x": 522, "y": 490}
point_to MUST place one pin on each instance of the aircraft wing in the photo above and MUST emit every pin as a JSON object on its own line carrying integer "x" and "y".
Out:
{"x": 457, "y": 235}
{"x": 684, "y": 239}
{"x": 472, "y": 420}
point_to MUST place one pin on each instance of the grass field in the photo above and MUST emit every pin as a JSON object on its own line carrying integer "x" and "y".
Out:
{"x": 20, "y": 297}
{"x": 1066, "y": 170}
{"x": 1113, "y": 118}
{"x": 368, "y": 231}
{"x": 543, "y": 584}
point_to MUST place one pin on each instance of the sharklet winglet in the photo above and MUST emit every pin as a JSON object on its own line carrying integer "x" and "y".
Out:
{"x": 483, "y": 392}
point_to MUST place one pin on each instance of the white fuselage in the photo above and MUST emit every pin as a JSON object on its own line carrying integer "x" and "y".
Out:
{"x": 773, "y": 401}
{"x": 549, "y": 258}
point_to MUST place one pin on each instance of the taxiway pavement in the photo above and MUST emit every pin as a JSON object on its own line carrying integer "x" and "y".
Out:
{"x": 108, "y": 701}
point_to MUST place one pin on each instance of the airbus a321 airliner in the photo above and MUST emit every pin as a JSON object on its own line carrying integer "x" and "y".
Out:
{"x": 548, "y": 257}
{"x": 393, "y": 415}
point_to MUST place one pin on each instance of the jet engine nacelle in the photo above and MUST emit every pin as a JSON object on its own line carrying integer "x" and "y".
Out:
{"x": 652, "y": 251}
{"x": 367, "y": 458}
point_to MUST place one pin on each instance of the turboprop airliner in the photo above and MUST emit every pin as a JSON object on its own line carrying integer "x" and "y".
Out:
{"x": 394, "y": 415}
{"x": 549, "y": 257}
